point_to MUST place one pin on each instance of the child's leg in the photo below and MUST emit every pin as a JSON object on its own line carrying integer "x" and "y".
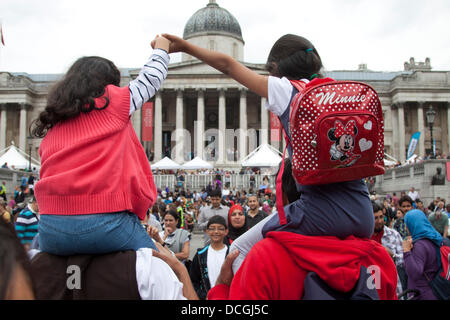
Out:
{"x": 92, "y": 234}
{"x": 340, "y": 210}
{"x": 246, "y": 241}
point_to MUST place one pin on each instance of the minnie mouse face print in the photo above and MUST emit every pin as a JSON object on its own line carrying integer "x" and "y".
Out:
{"x": 344, "y": 142}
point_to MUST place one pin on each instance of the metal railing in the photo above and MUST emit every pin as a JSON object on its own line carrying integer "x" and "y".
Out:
{"x": 195, "y": 182}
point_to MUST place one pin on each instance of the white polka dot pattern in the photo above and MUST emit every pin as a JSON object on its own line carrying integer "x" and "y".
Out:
{"x": 319, "y": 156}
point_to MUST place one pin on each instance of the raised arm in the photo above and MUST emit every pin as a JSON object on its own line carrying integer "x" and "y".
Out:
{"x": 151, "y": 76}
{"x": 222, "y": 62}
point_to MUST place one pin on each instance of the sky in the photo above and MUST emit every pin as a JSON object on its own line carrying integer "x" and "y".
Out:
{"x": 47, "y": 36}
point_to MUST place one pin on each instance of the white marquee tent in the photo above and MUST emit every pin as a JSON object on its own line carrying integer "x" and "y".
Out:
{"x": 263, "y": 156}
{"x": 166, "y": 164}
{"x": 197, "y": 163}
{"x": 17, "y": 159}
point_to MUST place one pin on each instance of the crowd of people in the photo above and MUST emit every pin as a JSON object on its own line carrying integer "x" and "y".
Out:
{"x": 94, "y": 211}
{"x": 224, "y": 217}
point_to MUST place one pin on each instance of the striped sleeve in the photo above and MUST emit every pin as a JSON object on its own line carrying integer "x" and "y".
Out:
{"x": 149, "y": 80}
{"x": 26, "y": 226}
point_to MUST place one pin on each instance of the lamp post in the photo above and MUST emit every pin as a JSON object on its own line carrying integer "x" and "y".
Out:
{"x": 30, "y": 139}
{"x": 431, "y": 114}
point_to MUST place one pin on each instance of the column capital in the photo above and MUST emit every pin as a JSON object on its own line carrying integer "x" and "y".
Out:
{"x": 421, "y": 103}
{"x": 179, "y": 92}
{"x": 2, "y": 106}
{"x": 25, "y": 106}
{"x": 398, "y": 105}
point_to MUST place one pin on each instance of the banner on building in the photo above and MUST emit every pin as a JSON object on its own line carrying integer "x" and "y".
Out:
{"x": 147, "y": 121}
{"x": 413, "y": 144}
{"x": 275, "y": 128}
{"x": 448, "y": 170}
{"x": 434, "y": 146}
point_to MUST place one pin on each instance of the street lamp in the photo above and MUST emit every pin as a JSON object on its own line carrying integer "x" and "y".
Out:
{"x": 431, "y": 114}
{"x": 30, "y": 140}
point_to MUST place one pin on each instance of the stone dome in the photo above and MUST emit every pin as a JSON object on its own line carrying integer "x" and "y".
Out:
{"x": 212, "y": 19}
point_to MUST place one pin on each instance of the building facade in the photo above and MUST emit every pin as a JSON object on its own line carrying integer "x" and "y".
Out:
{"x": 201, "y": 112}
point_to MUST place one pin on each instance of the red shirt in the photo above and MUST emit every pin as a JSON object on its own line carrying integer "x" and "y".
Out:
{"x": 377, "y": 237}
{"x": 276, "y": 267}
{"x": 94, "y": 163}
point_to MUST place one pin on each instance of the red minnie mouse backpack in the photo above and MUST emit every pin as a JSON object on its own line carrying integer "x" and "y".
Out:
{"x": 337, "y": 132}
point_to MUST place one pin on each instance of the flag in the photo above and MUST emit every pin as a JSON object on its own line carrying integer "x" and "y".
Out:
{"x": 413, "y": 144}
{"x": 434, "y": 146}
{"x": 147, "y": 121}
{"x": 275, "y": 128}
{"x": 1, "y": 35}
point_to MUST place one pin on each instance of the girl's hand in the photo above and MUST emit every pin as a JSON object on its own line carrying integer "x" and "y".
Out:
{"x": 177, "y": 44}
{"x": 161, "y": 43}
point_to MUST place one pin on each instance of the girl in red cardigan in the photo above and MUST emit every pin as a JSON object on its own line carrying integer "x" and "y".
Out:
{"x": 95, "y": 180}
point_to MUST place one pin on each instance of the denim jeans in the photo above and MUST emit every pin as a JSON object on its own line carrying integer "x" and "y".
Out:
{"x": 92, "y": 234}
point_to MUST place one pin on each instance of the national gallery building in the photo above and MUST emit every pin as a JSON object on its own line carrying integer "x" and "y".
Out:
{"x": 201, "y": 112}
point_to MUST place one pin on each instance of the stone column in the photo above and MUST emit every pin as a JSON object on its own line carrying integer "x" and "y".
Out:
{"x": 200, "y": 127}
{"x": 243, "y": 124}
{"x": 158, "y": 126}
{"x": 395, "y": 137}
{"x": 264, "y": 134}
{"x": 448, "y": 127}
{"x": 2, "y": 127}
{"x": 421, "y": 128}
{"x": 222, "y": 127}
{"x": 23, "y": 127}
{"x": 401, "y": 132}
{"x": 179, "y": 147}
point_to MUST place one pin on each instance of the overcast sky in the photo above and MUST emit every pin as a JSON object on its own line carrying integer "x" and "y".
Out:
{"x": 46, "y": 36}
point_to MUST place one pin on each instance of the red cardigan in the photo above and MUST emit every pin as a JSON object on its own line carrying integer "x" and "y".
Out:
{"x": 276, "y": 267}
{"x": 94, "y": 163}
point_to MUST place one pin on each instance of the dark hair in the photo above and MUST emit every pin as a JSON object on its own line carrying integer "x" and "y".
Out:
{"x": 216, "y": 193}
{"x": 288, "y": 183}
{"x": 295, "y": 58}
{"x": 217, "y": 220}
{"x": 376, "y": 207}
{"x": 75, "y": 93}
{"x": 12, "y": 255}
{"x": 405, "y": 199}
{"x": 173, "y": 213}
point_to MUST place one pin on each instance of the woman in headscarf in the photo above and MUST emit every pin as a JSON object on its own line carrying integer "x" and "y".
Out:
{"x": 421, "y": 254}
{"x": 237, "y": 223}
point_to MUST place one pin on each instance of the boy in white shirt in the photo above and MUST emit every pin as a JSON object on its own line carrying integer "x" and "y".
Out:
{"x": 208, "y": 261}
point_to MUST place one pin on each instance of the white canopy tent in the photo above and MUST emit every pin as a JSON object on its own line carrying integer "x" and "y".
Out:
{"x": 166, "y": 164}
{"x": 197, "y": 163}
{"x": 18, "y": 159}
{"x": 263, "y": 156}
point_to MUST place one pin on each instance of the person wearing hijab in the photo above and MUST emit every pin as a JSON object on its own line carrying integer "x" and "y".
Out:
{"x": 237, "y": 223}
{"x": 420, "y": 253}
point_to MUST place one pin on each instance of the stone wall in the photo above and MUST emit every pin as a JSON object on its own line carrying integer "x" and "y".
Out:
{"x": 415, "y": 175}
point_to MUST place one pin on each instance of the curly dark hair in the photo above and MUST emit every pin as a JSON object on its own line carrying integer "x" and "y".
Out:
{"x": 295, "y": 58}
{"x": 76, "y": 92}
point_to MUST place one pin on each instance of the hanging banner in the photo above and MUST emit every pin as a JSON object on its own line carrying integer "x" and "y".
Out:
{"x": 147, "y": 121}
{"x": 447, "y": 165}
{"x": 434, "y": 146}
{"x": 275, "y": 128}
{"x": 413, "y": 144}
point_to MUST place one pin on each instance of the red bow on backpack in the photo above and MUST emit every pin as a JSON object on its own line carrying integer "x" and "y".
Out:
{"x": 340, "y": 130}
